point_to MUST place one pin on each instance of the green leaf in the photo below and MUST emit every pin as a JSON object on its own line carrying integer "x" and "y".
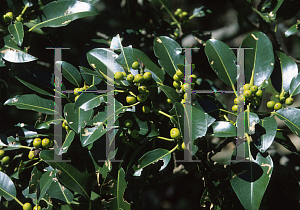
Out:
{"x": 46, "y": 124}
{"x": 71, "y": 177}
{"x": 290, "y": 116}
{"x": 169, "y": 54}
{"x": 170, "y": 93}
{"x": 77, "y": 118}
{"x": 44, "y": 183}
{"x": 126, "y": 56}
{"x": 289, "y": 70}
{"x": 285, "y": 141}
{"x": 69, "y": 72}
{"x": 266, "y": 133}
{"x": 35, "y": 177}
{"x": 199, "y": 121}
{"x": 12, "y": 53}
{"x": 89, "y": 100}
{"x": 250, "y": 119}
{"x": 118, "y": 190}
{"x": 32, "y": 102}
{"x": 7, "y": 187}
{"x": 295, "y": 86}
{"x": 249, "y": 180}
{"x": 61, "y": 13}
{"x": 152, "y": 157}
{"x": 222, "y": 60}
{"x": 259, "y": 59}
{"x": 17, "y": 31}
{"x": 90, "y": 76}
{"x": 293, "y": 29}
{"x": 35, "y": 88}
{"x": 223, "y": 129}
{"x": 68, "y": 141}
{"x": 60, "y": 192}
{"x": 157, "y": 73}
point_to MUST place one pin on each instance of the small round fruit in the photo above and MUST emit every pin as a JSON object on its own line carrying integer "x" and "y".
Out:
{"x": 176, "y": 84}
{"x": 253, "y": 89}
{"x": 142, "y": 97}
{"x": 2, "y": 153}
{"x": 247, "y": 86}
{"x": 27, "y": 206}
{"x": 179, "y": 73}
{"x": 135, "y": 65}
{"x": 259, "y": 93}
{"x": 247, "y": 93}
{"x": 31, "y": 155}
{"x": 277, "y": 106}
{"x": 9, "y": 15}
{"x": 19, "y": 19}
{"x": 176, "y": 78}
{"x": 147, "y": 75}
{"x": 124, "y": 74}
{"x": 289, "y": 101}
{"x": 146, "y": 109}
{"x": 130, "y": 99}
{"x": 138, "y": 78}
{"x": 270, "y": 104}
{"x": 183, "y": 145}
{"x": 236, "y": 101}
{"x": 77, "y": 91}
{"x": 142, "y": 89}
{"x": 174, "y": 133}
{"x": 76, "y": 98}
{"x": 37, "y": 142}
{"x": 129, "y": 77}
{"x": 185, "y": 87}
{"x": 64, "y": 124}
{"x": 128, "y": 123}
{"x": 277, "y": 96}
{"x": 234, "y": 108}
{"x": 46, "y": 142}
{"x": 242, "y": 98}
{"x": 177, "y": 12}
{"x": 184, "y": 14}
{"x": 5, "y": 160}
{"x": 119, "y": 75}
{"x": 37, "y": 208}
{"x": 169, "y": 101}
{"x": 134, "y": 133}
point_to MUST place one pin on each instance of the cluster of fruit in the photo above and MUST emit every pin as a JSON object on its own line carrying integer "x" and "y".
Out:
{"x": 251, "y": 94}
{"x": 27, "y": 206}
{"x": 181, "y": 14}
{"x": 180, "y": 86}
{"x": 4, "y": 159}
{"x": 78, "y": 91}
{"x": 282, "y": 99}
{"x": 38, "y": 143}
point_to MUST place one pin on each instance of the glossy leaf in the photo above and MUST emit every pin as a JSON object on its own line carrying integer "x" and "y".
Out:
{"x": 69, "y": 72}
{"x": 293, "y": 29}
{"x": 223, "y": 129}
{"x": 157, "y": 73}
{"x": 152, "y": 157}
{"x": 68, "y": 141}
{"x": 265, "y": 133}
{"x": 34, "y": 180}
{"x": 250, "y": 119}
{"x": 170, "y": 93}
{"x": 35, "y": 88}
{"x": 61, "y": 13}
{"x": 69, "y": 176}
{"x": 60, "y": 192}
{"x": 32, "y": 102}
{"x": 126, "y": 56}
{"x": 259, "y": 59}
{"x": 222, "y": 61}
{"x": 169, "y": 54}
{"x": 88, "y": 77}
{"x": 7, "y": 187}
{"x": 200, "y": 121}
{"x": 249, "y": 180}
{"x": 285, "y": 141}
{"x": 289, "y": 70}
{"x": 17, "y": 31}
{"x": 77, "y": 118}
{"x": 89, "y": 100}
{"x": 290, "y": 116}
{"x": 44, "y": 183}
{"x": 117, "y": 191}
{"x": 295, "y": 86}
{"x": 12, "y": 53}
{"x": 39, "y": 124}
